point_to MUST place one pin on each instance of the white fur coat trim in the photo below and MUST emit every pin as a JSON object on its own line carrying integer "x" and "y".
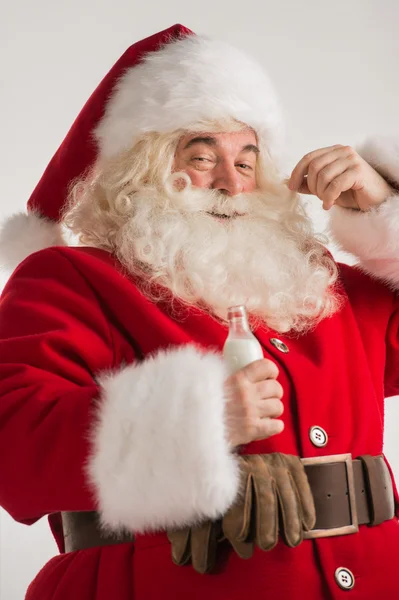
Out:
{"x": 160, "y": 453}
{"x": 23, "y": 234}
{"x": 186, "y": 82}
{"x": 373, "y": 236}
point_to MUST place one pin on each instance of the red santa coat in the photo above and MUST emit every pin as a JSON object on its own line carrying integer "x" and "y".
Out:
{"x": 69, "y": 315}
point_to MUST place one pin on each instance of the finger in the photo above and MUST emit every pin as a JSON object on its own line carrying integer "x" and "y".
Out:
{"x": 271, "y": 408}
{"x": 203, "y": 546}
{"x": 268, "y": 427}
{"x": 304, "y": 492}
{"x": 265, "y": 504}
{"x": 269, "y": 388}
{"x": 260, "y": 370}
{"x": 301, "y": 168}
{"x": 303, "y": 188}
{"x": 244, "y": 549}
{"x": 321, "y": 162}
{"x": 329, "y": 173}
{"x": 291, "y": 513}
{"x": 344, "y": 182}
{"x": 180, "y": 540}
{"x": 236, "y": 522}
{"x": 290, "y": 507}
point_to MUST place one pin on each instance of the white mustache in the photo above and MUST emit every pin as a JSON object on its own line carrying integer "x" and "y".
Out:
{"x": 185, "y": 197}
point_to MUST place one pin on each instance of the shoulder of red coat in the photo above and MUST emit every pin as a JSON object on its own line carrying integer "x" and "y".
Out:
{"x": 57, "y": 261}
{"x": 74, "y": 254}
{"x": 357, "y": 282}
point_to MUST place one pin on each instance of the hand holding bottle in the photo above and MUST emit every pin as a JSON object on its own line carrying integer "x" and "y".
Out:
{"x": 254, "y": 394}
{"x": 254, "y": 403}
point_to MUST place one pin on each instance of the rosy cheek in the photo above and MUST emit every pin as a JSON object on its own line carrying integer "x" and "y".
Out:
{"x": 198, "y": 178}
{"x": 251, "y": 186}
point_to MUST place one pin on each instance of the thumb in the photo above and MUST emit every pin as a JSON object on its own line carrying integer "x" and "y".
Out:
{"x": 304, "y": 189}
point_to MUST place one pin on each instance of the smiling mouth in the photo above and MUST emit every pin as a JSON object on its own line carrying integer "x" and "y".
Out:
{"x": 223, "y": 216}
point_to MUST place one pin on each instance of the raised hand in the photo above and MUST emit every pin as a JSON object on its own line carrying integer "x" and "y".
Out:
{"x": 339, "y": 175}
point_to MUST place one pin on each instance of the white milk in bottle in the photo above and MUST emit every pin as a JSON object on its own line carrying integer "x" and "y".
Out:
{"x": 241, "y": 346}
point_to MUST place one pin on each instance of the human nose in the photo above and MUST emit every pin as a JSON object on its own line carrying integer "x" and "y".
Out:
{"x": 228, "y": 180}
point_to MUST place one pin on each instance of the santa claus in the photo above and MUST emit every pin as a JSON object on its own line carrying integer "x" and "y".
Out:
{"x": 162, "y": 473}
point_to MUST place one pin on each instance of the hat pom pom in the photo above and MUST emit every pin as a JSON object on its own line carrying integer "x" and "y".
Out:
{"x": 23, "y": 234}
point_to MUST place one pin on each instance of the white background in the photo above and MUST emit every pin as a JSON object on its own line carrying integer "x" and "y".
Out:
{"x": 335, "y": 64}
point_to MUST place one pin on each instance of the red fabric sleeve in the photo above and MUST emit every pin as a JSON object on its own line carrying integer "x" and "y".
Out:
{"x": 392, "y": 356}
{"x": 54, "y": 338}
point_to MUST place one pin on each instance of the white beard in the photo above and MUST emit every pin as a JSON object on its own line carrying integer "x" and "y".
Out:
{"x": 269, "y": 260}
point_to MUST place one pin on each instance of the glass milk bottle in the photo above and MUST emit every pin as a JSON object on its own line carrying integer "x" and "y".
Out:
{"x": 241, "y": 346}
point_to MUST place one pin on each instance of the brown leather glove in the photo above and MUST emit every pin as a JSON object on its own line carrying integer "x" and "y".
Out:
{"x": 272, "y": 486}
{"x": 197, "y": 543}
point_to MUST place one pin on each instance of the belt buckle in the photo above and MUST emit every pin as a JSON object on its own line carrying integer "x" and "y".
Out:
{"x": 345, "y": 529}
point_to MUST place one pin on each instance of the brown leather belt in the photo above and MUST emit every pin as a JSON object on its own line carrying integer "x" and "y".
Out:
{"x": 82, "y": 530}
{"x": 347, "y": 493}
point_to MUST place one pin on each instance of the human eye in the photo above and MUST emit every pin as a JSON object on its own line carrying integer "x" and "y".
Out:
{"x": 245, "y": 167}
{"x": 202, "y": 163}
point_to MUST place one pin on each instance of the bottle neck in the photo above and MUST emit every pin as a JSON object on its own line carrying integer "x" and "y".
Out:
{"x": 239, "y": 325}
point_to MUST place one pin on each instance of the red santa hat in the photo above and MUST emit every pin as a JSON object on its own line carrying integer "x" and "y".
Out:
{"x": 168, "y": 81}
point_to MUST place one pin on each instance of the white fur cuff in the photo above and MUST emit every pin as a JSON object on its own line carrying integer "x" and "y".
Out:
{"x": 373, "y": 237}
{"x": 160, "y": 453}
